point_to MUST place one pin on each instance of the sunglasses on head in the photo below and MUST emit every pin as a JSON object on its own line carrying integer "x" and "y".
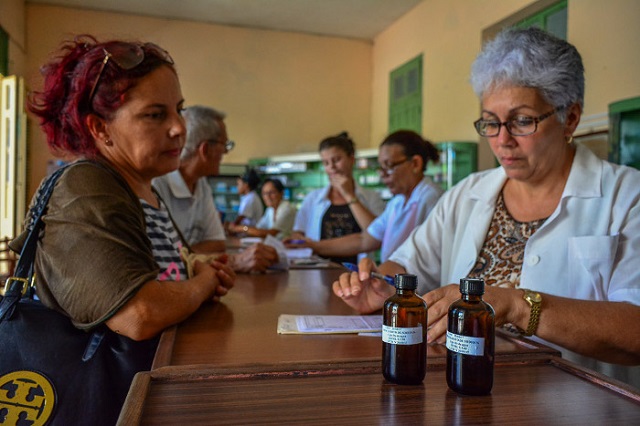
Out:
{"x": 127, "y": 56}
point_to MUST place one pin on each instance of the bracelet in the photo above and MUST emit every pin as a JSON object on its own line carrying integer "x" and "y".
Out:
{"x": 245, "y": 228}
{"x": 353, "y": 201}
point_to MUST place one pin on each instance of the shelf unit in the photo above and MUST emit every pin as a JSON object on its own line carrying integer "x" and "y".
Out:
{"x": 225, "y": 191}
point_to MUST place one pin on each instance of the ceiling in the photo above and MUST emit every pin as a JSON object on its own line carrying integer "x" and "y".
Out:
{"x": 360, "y": 19}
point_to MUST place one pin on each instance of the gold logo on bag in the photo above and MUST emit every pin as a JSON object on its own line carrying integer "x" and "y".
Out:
{"x": 26, "y": 396}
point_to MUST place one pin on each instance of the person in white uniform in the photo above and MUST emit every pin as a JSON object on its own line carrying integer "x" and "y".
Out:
{"x": 341, "y": 208}
{"x": 554, "y": 231}
{"x": 403, "y": 158}
{"x": 187, "y": 194}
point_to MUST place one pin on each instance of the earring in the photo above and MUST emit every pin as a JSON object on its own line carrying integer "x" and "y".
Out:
{"x": 108, "y": 142}
{"x": 570, "y": 140}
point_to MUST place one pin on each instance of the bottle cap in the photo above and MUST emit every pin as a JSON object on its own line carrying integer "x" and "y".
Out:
{"x": 406, "y": 282}
{"x": 473, "y": 286}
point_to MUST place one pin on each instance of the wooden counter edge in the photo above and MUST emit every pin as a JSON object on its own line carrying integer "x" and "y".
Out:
{"x": 131, "y": 413}
{"x": 134, "y": 405}
{"x": 598, "y": 379}
{"x": 164, "y": 353}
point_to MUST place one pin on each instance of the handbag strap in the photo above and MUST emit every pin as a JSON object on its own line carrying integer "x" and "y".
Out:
{"x": 17, "y": 285}
{"x": 23, "y": 275}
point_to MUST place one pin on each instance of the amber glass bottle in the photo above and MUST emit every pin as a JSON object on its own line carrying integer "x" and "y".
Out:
{"x": 404, "y": 334}
{"x": 470, "y": 341}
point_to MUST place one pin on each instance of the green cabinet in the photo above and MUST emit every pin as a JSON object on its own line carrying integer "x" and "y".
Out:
{"x": 457, "y": 161}
{"x": 225, "y": 191}
{"x": 624, "y": 135}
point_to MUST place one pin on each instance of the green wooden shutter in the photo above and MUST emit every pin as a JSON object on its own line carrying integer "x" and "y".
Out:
{"x": 405, "y": 96}
{"x": 552, "y": 19}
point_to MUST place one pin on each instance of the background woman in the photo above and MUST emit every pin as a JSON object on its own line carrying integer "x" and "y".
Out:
{"x": 251, "y": 208}
{"x": 278, "y": 217}
{"x": 555, "y": 230}
{"x": 109, "y": 253}
{"x": 343, "y": 207}
{"x": 403, "y": 159}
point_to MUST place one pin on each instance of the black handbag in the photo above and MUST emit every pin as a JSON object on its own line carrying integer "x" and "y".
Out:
{"x": 50, "y": 371}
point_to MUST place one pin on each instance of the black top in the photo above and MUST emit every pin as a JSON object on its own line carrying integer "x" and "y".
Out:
{"x": 338, "y": 221}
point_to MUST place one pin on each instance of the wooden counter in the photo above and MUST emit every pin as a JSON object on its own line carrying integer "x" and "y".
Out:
{"x": 227, "y": 365}
{"x": 241, "y": 329}
{"x": 535, "y": 391}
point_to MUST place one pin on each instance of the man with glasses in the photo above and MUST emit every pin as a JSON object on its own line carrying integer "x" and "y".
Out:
{"x": 187, "y": 193}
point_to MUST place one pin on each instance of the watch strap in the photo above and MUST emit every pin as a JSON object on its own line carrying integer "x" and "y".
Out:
{"x": 534, "y": 317}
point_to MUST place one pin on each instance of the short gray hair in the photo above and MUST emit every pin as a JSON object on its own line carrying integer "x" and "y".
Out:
{"x": 531, "y": 58}
{"x": 202, "y": 124}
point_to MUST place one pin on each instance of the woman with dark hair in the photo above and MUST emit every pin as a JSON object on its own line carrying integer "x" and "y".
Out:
{"x": 278, "y": 217}
{"x": 554, "y": 231}
{"x": 341, "y": 208}
{"x": 251, "y": 208}
{"x": 109, "y": 254}
{"x": 403, "y": 159}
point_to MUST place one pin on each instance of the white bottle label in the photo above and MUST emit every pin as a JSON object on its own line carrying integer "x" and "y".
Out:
{"x": 465, "y": 345}
{"x": 402, "y": 335}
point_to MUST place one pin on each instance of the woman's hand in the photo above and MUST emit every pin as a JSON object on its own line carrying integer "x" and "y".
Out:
{"x": 255, "y": 258}
{"x": 344, "y": 185}
{"x": 438, "y": 302}
{"x": 218, "y": 276}
{"x": 360, "y": 291}
{"x": 505, "y": 302}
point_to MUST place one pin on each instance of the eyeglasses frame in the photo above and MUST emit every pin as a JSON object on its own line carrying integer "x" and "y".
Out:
{"x": 389, "y": 171}
{"x": 228, "y": 144}
{"x": 536, "y": 121}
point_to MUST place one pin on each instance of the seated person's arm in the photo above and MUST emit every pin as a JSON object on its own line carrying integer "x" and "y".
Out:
{"x": 256, "y": 258}
{"x": 158, "y": 305}
{"x": 297, "y": 235}
{"x": 349, "y": 245}
{"x": 252, "y": 231}
{"x": 361, "y": 214}
{"x": 238, "y": 219}
{"x": 209, "y": 246}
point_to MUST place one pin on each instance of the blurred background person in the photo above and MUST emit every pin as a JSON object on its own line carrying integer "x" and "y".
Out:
{"x": 341, "y": 208}
{"x": 278, "y": 218}
{"x": 187, "y": 193}
{"x": 251, "y": 208}
{"x": 554, "y": 231}
{"x": 403, "y": 157}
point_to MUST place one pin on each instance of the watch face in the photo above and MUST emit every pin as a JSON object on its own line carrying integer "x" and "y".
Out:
{"x": 534, "y": 297}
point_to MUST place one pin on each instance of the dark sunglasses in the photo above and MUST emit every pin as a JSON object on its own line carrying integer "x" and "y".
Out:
{"x": 127, "y": 56}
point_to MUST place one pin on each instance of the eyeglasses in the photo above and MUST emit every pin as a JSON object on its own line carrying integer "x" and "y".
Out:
{"x": 228, "y": 145}
{"x": 127, "y": 56}
{"x": 520, "y": 125}
{"x": 388, "y": 171}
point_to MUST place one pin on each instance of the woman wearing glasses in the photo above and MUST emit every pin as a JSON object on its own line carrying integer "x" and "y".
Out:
{"x": 554, "y": 231}
{"x": 277, "y": 219}
{"x": 110, "y": 253}
{"x": 341, "y": 208}
{"x": 403, "y": 159}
